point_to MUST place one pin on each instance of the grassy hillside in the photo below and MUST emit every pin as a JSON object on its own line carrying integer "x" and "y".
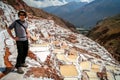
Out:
{"x": 107, "y": 33}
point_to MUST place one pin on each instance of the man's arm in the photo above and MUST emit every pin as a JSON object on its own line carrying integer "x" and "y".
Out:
{"x": 10, "y": 33}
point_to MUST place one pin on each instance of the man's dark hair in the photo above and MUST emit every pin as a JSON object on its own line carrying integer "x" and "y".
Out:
{"x": 25, "y": 14}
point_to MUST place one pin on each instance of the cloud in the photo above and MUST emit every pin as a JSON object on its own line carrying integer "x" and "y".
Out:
{"x": 86, "y": 0}
{"x": 46, "y": 3}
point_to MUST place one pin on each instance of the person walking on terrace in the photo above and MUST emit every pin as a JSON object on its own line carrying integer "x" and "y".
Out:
{"x": 22, "y": 34}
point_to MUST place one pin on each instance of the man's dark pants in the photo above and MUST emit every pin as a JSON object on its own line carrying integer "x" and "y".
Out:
{"x": 22, "y": 48}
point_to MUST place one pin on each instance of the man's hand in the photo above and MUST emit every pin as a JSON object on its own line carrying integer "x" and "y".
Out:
{"x": 15, "y": 38}
{"x": 28, "y": 35}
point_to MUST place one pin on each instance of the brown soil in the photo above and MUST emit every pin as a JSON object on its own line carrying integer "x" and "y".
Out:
{"x": 31, "y": 55}
{"x": 43, "y": 72}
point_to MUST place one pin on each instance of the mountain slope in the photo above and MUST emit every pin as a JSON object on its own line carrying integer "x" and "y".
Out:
{"x": 64, "y": 10}
{"x": 56, "y": 52}
{"x": 88, "y": 15}
{"x": 108, "y": 31}
{"x": 20, "y": 5}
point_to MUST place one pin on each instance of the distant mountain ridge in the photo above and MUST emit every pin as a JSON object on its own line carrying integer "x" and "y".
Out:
{"x": 64, "y": 10}
{"x": 88, "y": 15}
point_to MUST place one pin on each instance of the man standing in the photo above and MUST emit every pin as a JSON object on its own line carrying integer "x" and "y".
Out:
{"x": 22, "y": 34}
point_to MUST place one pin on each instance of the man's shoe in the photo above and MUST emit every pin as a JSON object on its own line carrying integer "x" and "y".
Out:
{"x": 24, "y": 65}
{"x": 19, "y": 70}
